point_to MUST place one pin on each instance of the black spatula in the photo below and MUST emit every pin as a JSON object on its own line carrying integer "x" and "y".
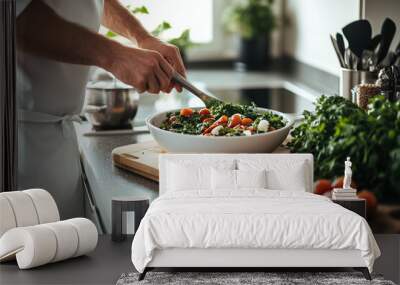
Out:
{"x": 387, "y": 33}
{"x": 340, "y": 43}
{"x": 374, "y": 42}
{"x": 358, "y": 35}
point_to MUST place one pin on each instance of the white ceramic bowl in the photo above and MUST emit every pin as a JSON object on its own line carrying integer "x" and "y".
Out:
{"x": 183, "y": 143}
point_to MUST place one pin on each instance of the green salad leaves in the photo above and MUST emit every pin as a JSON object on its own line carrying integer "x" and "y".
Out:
{"x": 226, "y": 118}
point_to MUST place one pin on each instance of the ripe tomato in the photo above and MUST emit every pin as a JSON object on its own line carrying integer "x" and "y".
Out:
{"x": 186, "y": 112}
{"x": 234, "y": 121}
{"x": 322, "y": 186}
{"x": 204, "y": 111}
{"x": 223, "y": 119}
{"x": 247, "y": 121}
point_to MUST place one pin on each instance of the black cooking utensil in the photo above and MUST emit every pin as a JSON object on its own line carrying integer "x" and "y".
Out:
{"x": 375, "y": 42}
{"x": 338, "y": 52}
{"x": 387, "y": 33}
{"x": 358, "y": 35}
{"x": 340, "y": 43}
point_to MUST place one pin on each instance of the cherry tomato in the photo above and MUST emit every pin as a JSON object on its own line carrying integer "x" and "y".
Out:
{"x": 204, "y": 111}
{"x": 234, "y": 120}
{"x": 223, "y": 119}
{"x": 186, "y": 112}
{"x": 247, "y": 121}
{"x": 322, "y": 186}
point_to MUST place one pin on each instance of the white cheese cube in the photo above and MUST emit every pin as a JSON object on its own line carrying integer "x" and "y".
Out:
{"x": 247, "y": 133}
{"x": 216, "y": 130}
{"x": 263, "y": 126}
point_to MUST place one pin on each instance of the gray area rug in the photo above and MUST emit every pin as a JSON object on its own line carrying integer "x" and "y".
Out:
{"x": 244, "y": 278}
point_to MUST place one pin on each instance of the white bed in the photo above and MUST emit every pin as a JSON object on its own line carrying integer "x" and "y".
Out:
{"x": 194, "y": 224}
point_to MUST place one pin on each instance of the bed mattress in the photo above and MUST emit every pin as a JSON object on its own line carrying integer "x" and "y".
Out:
{"x": 250, "y": 219}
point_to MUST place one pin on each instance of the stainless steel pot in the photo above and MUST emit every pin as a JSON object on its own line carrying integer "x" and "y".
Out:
{"x": 110, "y": 104}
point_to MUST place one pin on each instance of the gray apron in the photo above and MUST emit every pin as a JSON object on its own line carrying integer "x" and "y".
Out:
{"x": 50, "y": 96}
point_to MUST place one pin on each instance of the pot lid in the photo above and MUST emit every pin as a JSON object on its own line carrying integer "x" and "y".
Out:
{"x": 108, "y": 85}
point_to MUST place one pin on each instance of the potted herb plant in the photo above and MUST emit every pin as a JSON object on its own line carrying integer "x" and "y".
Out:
{"x": 254, "y": 20}
{"x": 183, "y": 41}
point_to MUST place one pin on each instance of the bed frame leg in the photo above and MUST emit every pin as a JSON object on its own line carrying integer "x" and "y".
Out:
{"x": 143, "y": 274}
{"x": 364, "y": 271}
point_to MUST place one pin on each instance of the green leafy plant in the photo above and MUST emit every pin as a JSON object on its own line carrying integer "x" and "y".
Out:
{"x": 251, "y": 19}
{"x": 161, "y": 28}
{"x": 182, "y": 42}
{"x": 138, "y": 10}
{"x": 338, "y": 128}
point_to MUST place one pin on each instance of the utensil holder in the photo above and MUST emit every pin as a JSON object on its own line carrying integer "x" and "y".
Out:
{"x": 350, "y": 78}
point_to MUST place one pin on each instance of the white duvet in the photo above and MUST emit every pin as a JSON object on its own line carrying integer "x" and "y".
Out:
{"x": 250, "y": 219}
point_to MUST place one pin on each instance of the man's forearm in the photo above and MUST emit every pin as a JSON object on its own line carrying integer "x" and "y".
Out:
{"x": 121, "y": 21}
{"x": 42, "y": 32}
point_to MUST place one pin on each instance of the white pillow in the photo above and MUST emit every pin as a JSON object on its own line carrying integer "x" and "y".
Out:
{"x": 237, "y": 179}
{"x": 281, "y": 174}
{"x": 251, "y": 178}
{"x": 223, "y": 179}
{"x": 194, "y": 175}
{"x": 293, "y": 181}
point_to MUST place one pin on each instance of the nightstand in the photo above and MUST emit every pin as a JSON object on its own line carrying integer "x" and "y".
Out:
{"x": 120, "y": 207}
{"x": 355, "y": 205}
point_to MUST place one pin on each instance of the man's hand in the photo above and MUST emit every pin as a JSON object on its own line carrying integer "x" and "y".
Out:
{"x": 146, "y": 70}
{"x": 121, "y": 21}
{"x": 169, "y": 52}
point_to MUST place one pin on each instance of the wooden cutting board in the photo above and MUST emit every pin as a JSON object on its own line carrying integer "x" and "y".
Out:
{"x": 139, "y": 158}
{"x": 142, "y": 158}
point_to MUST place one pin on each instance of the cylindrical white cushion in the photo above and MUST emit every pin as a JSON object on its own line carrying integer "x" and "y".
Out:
{"x": 67, "y": 240}
{"x": 45, "y": 205}
{"x": 36, "y": 245}
{"x": 87, "y": 233}
{"x": 23, "y": 208}
{"x": 7, "y": 218}
{"x": 41, "y": 244}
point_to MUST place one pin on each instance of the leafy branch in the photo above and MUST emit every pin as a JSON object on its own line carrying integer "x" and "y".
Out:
{"x": 182, "y": 42}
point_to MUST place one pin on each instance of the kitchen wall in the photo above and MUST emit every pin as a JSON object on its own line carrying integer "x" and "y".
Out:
{"x": 308, "y": 25}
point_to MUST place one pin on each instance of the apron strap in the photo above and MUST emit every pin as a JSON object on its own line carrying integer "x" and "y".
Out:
{"x": 25, "y": 116}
